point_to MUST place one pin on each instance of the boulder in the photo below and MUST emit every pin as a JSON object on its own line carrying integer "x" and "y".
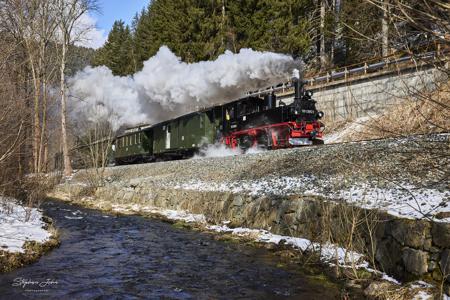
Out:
{"x": 389, "y": 255}
{"x": 441, "y": 234}
{"x": 412, "y": 233}
{"x": 415, "y": 261}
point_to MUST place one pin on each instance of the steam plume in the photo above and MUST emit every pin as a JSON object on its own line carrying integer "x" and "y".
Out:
{"x": 167, "y": 87}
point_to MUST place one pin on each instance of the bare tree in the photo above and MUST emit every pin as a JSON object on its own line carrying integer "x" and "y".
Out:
{"x": 14, "y": 116}
{"x": 98, "y": 145}
{"x": 32, "y": 26}
{"x": 69, "y": 13}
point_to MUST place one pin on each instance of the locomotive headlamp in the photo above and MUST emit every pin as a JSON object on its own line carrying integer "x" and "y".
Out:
{"x": 320, "y": 115}
{"x": 309, "y": 93}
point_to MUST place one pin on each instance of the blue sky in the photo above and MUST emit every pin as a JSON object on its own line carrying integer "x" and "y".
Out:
{"x": 112, "y": 10}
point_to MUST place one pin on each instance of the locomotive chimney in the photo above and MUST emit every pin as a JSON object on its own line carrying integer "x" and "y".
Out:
{"x": 298, "y": 84}
{"x": 271, "y": 100}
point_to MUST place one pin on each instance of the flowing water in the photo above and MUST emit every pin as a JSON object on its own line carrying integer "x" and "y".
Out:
{"x": 104, "y": 256}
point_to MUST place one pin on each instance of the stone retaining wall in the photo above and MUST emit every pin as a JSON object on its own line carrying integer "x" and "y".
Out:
{"x": 372, "y": 93}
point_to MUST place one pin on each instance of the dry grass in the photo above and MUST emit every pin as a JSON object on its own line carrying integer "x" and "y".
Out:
{"x": 421, "y": 114}
{"x": 384, "y": 290}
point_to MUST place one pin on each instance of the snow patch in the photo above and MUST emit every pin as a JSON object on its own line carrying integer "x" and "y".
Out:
{"x": 390, "y": 279}
{"x": 19, "y": 224}
{"x": 346, "y": 133}
{"x": 422, "y": 295}
{"x": 329, "y": 252}
{"x": 178, "y": 215}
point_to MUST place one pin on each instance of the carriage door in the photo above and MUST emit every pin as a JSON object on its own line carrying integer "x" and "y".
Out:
{"x": 168, "y": 137}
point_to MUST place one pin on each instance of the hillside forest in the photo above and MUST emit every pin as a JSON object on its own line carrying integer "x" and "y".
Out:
{"x": 324, "y": 33}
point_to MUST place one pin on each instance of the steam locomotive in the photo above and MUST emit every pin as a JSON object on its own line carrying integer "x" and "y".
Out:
{"x": 253, "y": 121}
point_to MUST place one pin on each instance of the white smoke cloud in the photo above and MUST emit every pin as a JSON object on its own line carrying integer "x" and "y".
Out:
{"x": 167, "y": 87}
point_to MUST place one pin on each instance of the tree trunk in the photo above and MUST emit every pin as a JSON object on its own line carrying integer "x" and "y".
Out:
{"x": 385, "y": 29}
{"x": 323, "y": 58}
{"x": 66, "y": 155}
{"x": 36, "y": 116}
{"x": 43, "y": 136}
{"x": 337, "y": 40}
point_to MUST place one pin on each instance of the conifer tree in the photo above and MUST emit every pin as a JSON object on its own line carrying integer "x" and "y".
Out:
{"x": 116, "y": 54}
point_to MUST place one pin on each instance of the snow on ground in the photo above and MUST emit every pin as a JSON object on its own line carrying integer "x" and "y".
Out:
{"x": 168, "y": 213}
{"x": 329, "y": 253}
{"x": 19, "y": 224}
{"x": 403, "y": 200}
{"x": 422, "y": 295}
{"x": 346, "y": 133}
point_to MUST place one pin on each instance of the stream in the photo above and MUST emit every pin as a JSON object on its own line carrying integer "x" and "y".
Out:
{"x": 105, "y": 256}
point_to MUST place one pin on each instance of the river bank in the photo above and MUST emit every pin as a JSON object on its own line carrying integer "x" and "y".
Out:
{"x": 25, "y": 235}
